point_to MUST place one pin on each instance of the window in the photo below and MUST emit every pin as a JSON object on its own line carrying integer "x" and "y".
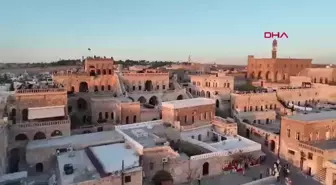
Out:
{"x": 106, "y": 115}
{"x": 291, "y": 152}
{"x": 288, "y": 132}
{"x": 163, "y": 87}
{"x": 310, "y": 156}
{"x": 112, "y": 115}
{"x": 157, "y": 87}
{"x": 151, "y": 165}
{"x": 298, "y": 136}
{"x": 127, "y": 178}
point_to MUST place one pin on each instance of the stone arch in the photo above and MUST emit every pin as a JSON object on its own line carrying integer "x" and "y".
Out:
{"x": 108, "y": 87}
{"x": 134, "y": 119}
{"x": 39, "y": 167}
{"x": 95, "y": 88}
{"x": 179, "y": 97}
{"x": 56, "y": 133}
{"x": 199, "y": 137}
{"x": 252, "y": 75}
{"x": 24, "y": 114}
{"x": 276, "y": 76}
{"x": 162, "y": 177}
{"x": 21, "y": 137}
{"x": 127, "y": 120}
{"x": 81, "y": 104}
{"x": 202, "y": 93}
{"x": 268, "y": 75}
{"x": 83, "y": 87}
{"x": 259, "y": 75}
{"x": 131, "y": 98}
{"x": 217, "y": 103}
{"x": 39, "y": 136}
{"x": 142, "y": 99}
{"x": 153, "y": 100}
{"x": 148, "y": 85}
{"x": 104, "y": 71}
{"x": 13, "y": 114}
{"x": 208, "y": 94}
{"x": 205, "y": 169}
{"x": 14, "y": 160}
{"x": 272, "y": 146}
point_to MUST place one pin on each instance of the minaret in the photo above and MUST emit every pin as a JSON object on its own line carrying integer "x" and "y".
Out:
{"x": 274, "y": 48}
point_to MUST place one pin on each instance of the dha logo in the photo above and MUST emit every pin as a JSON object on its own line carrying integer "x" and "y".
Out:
{"x": 271, "y": 35}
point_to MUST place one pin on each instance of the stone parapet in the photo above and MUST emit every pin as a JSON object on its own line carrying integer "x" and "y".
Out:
{"x": 33, "y": 91}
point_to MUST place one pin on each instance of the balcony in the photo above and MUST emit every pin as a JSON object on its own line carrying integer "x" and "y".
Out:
{"x": 41, "y": 123}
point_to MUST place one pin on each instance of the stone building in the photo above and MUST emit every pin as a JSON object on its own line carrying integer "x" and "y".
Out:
{"x": 100, "y": 97}
{"x": 320, "y": 75}
{"x": 35, "y": 114}
{"x": 275, "y": 69}
{"x": 3, "y": 147}
{"x": 215, "y": 86}
{"x": 308, "y": 142}
{"x": 189, "y": 142}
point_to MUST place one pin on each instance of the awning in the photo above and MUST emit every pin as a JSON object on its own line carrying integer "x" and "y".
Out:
{"x": 46, "y": 112}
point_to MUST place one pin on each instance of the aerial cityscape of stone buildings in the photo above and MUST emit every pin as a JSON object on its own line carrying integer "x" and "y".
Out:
{"x": 106, "y": 124}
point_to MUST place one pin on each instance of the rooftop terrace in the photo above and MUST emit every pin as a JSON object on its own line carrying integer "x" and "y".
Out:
{"x": 78, "y": 140}
{"x": 120, "y": 153}
{"x": 324, "y": 144}
{"x": 143, "y": 133}
{"x": 194, "y": 102}
{"x": 313, "y": 116}
{"x": 84, "y": 170}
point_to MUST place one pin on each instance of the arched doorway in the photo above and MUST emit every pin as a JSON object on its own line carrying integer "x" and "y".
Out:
{"x": 39, "y": 167}
{"x": 21, "y": 137}
{"x": 205, "y": 169}
{"x": 162, "y": 178}
{"x": 13, "y": 114}
{"x": 202, "y": 93}
{"x": 252, "y": 75}
{"x": 179, "y": 97}
{"x": 134, "y": 119}
{"x": 208, "y": 94}
{"x": 267, "y": 75}
{"x": 142, "y": 100}
{"x": 81, "y": 104}
{"x": 259, "y": 75}
{"x": 272, "y": 146}
{"x": 56, "y": 133}
{"x": 153, "y": 100}
{"x": 148, "y": 85}
{"x": 217, "y": 103}
{"x": 39, "y": 136}
{"x": 131, "y": 98}
{"x": 24, "y": 114}
{"x": 83, "y": 87}
{"x": 276, "y": 74}
{"x": 127, "y": 119}
{"x": 14, "y": 160}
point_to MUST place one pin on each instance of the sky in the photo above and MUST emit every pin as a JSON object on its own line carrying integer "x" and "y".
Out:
{"x": 221, "y": 31}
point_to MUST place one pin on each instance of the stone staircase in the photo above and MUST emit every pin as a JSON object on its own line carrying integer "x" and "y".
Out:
{"x": 189, "y": 94}
{"x": 321, "y": 175}
{"x": 121, "y": 86}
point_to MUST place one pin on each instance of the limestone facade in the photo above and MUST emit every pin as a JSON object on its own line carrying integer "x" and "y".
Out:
{"x": 308, "y": 144}
{"x": 320, "y": 75}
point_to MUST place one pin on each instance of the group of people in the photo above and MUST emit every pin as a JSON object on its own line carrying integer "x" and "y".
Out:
{"x": 276, "y": 171}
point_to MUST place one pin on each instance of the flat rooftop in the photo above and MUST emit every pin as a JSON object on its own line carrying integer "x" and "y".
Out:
{"x": 78, "y": 140}
{"x": 84, "y": 170}
{"x": 120, "y": 152}
{"x": 144, "y": 133}
{"x": 324, "y": 145}
{"x": 234, "y": 143}
{"x": 313, "y": 116}
{"x": 194, "y": 102}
